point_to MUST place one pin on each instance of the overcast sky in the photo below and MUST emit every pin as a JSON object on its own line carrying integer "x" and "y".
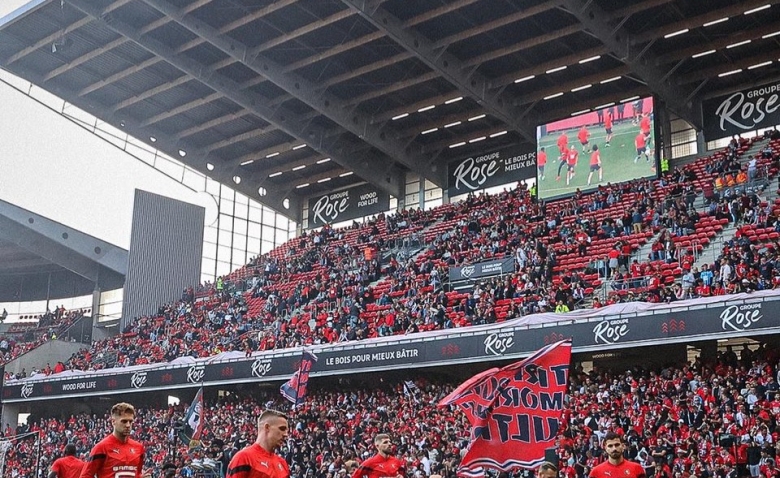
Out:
{"x": 55, "y": 168}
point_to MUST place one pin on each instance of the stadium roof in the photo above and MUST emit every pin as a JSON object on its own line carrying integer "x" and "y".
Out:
{"x": 298, "y": 97}
{"x": 41, "y": 258}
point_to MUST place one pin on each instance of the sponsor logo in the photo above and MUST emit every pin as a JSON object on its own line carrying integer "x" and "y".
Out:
{"x": 740, "y": 317}
{"x": 196, "y": 373}
{"x": 471, "y": 173}
{"x": 328, "y": 207}
{"x": 610, "y": 331}
{"x": 27, "y": 390}
{"x": 467, "y": 271}
{"x": 746, "y": 111}
{"x": 138, "y": 379}
{"x": 69, "y": 387}
{"x": 260, "y": 367}
{"x": 498, "y": 343}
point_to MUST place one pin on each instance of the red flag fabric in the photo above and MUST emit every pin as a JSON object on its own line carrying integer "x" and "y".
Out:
{"x": 514, "y": 411}
{"x": 294, "y": 389}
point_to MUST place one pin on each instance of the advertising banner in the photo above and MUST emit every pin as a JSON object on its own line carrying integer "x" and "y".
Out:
{"x": 482, "y": 269}
{"x": 491, "y": 168}
{"x": 747, "y": 110}
{"x": 512, "y": 339}
{"x": 347, "y": 204}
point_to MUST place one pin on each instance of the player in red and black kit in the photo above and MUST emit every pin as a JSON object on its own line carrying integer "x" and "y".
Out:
{"x": 571, "y": 161}
{"x": 616, "y": 465}
{"x": 67, "y": 466}
{"x": 608, "y": 126}
{"x": 644, "y": 127}
{"x": 541, "y": 162}
{"x": 595, "y": 164}
{"x": 259, "y": 460}
{"x": 382, "y": 464}
{"x": 563, "y": 143}
{"x": 641, "y": 147}
{"x": 583, "y": 135}
{"x": 117, "y": 455}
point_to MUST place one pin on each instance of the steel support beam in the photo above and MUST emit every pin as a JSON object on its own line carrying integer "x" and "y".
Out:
{"x": 566, "y": 88}
{"x": 371, "y": 167}
{"x": 775, "y": 78}
{"x": 724, "y": 67}
{"x": 273, "y": 165}
{"x": 697, "y": 21}
{"x": 162, "y": 21}
{"x": 717, "y": 44}
{"x": 596, "y": 20}
{"x": 353, "y": 120}
{"x": 49, "y": 39}
{"x": 446, "y": 65}
{"x": 312, "y": 180}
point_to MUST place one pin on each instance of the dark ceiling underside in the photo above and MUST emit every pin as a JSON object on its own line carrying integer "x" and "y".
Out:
{"x": 235, "y": 88}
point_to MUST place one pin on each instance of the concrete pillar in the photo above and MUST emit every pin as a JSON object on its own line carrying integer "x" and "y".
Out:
{"x": 10, "y": 415}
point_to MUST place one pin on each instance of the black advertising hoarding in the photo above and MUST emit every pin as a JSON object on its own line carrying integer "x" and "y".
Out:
{"x": 751, "y": 109}
{"x": 512, "y": 339}
{"x": 482, "y": 269}
{"x": 347, "y": 204}
{"x": 493, "y": 168}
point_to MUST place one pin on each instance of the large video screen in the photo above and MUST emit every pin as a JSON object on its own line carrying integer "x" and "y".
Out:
{"x": 609, "y": 145}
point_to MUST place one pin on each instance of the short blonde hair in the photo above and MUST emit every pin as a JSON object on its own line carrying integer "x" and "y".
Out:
{"x": 270, "y": 413}
{"x": 122, "y": 408}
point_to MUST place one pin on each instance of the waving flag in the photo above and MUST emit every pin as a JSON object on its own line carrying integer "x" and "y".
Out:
{"x": 514, "y": 411}
{"x": 193, "y": 422}
{"x": 294, "y": 389}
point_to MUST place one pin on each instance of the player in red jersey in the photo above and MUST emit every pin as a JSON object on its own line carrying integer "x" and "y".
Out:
{"x": 608, "y": 126}
{"x": 616, "y": 466}
{"x": 259, "y": 460}
{"x": 67, "y": 466}
{"x": 117, "y": 455}
{"x": 571, "y": 160}
{"x": 541, "y": 162}
{"x": 644, "y": 124}
{"x": 382, "y": 464}
{"x": 644, "y": 127}
{"x": 583, "y": 135}
{"x": 563, "y": 144}
{"x": 595, "y": 163}
{"x": 641, "y": 147}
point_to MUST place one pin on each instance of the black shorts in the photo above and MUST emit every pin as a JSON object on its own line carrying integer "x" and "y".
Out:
{"x": 642, "y": 150}
{"x": 609, "y": 130}
{"x": 571, "y": 167}
{"x": 594, "y": 167}
{"x": 584, "y": 143}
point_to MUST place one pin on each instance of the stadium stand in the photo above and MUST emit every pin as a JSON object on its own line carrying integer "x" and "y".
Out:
{"x": 649, "y": 240}
{"x": 330, "y": 286}
{"x": 20, "y": 338}
{"x": 691, "y": 419}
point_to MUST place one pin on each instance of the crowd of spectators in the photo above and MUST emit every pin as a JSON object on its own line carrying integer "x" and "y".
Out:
{"x": 331, "y": 285}
{"x": 20, "y": 338}
{"x": 704, "y": 419}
